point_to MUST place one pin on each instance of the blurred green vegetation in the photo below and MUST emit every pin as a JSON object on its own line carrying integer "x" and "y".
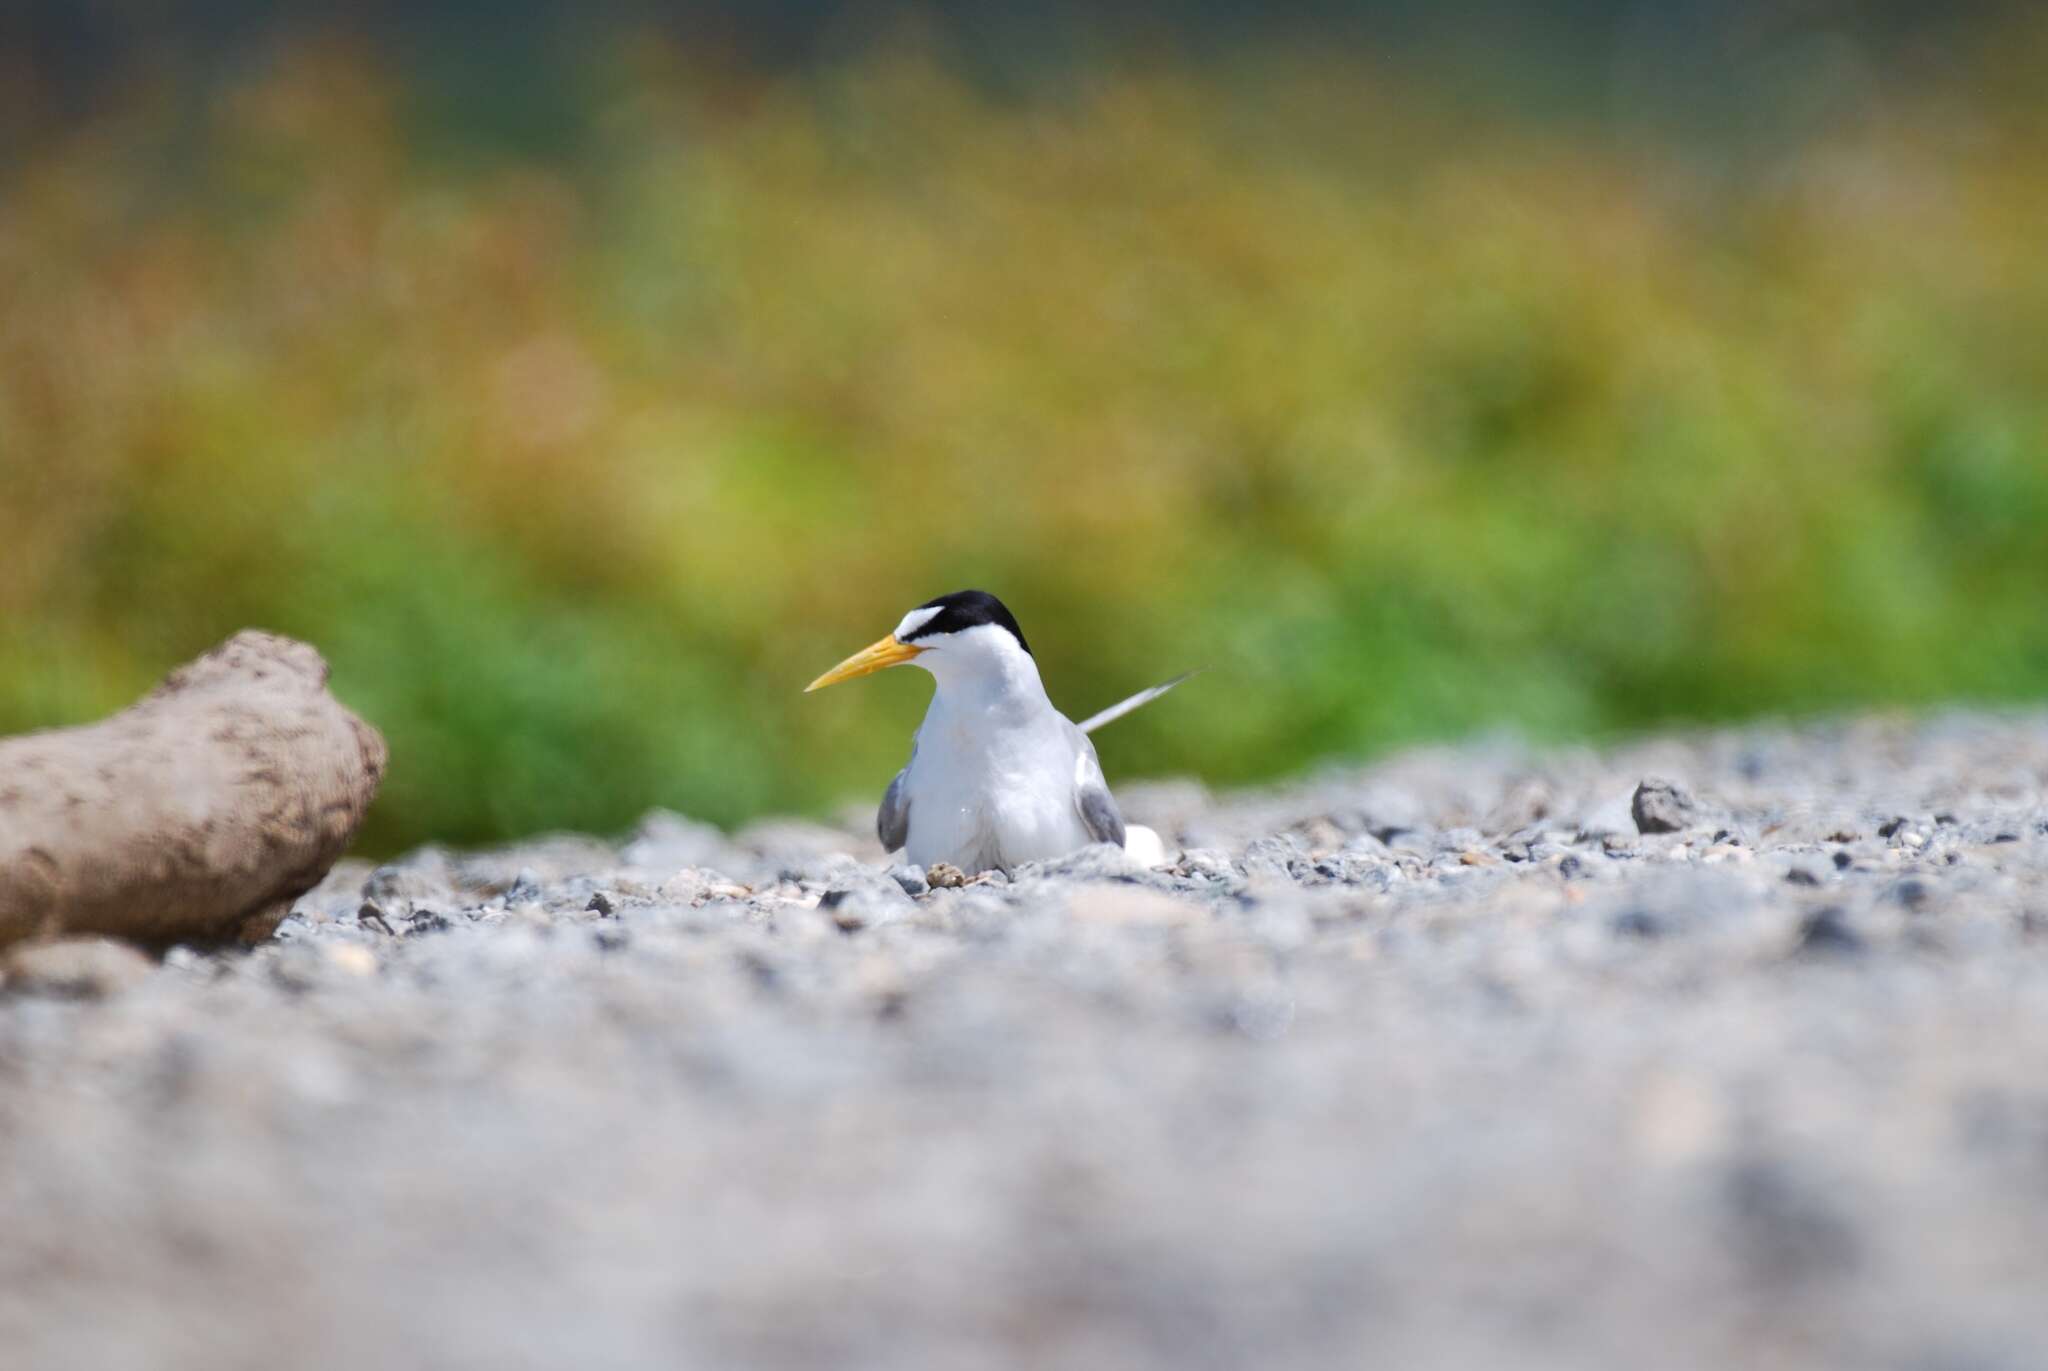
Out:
{"x": 1406, "y": 415}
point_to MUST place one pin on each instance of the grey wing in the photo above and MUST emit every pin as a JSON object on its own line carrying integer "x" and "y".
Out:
{"x": 892, "y": 820}
{"x": 1098, "y": 808}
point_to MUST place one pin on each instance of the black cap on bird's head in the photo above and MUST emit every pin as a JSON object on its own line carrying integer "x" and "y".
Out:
{"x": 958, "y": 612}
{"x": 921, "y": 630}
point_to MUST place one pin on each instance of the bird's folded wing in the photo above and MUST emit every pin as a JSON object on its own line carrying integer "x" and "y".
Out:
{"x": 1100, "y": 817}
{"x": 1137, "y": 701}
{"x": 1092, "y": 800}
{"x": 892, "y": 820}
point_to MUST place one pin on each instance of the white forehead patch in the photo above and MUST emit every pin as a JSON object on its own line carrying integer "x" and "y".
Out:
{"x": 915, "y": 620}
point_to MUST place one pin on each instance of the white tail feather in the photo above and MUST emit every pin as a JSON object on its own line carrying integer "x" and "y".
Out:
{"x": 1137, "y": 701}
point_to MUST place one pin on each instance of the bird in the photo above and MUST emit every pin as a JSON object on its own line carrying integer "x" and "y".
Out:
{"x": 997, "y": 776}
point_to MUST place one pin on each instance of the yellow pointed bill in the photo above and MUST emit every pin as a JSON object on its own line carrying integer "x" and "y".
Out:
{"x": 889, "y": 652}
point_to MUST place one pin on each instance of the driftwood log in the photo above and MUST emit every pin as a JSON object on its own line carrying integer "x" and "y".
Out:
{"x": 196, "y": 815}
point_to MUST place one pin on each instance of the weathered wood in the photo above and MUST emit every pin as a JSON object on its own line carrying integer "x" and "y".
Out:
{"x": 197, "y": 814}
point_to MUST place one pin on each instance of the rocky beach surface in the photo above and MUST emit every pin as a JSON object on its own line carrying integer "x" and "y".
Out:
{"x": 1723, "y": 1049}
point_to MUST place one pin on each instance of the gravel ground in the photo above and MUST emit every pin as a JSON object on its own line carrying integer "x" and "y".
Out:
{"x": 1441, "y": 1063}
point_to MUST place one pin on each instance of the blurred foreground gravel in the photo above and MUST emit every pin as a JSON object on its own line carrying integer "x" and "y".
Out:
{"x": 1439, "y": 1063}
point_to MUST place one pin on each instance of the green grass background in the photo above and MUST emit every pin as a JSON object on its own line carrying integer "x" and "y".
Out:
{"x": 1407, "y": 413}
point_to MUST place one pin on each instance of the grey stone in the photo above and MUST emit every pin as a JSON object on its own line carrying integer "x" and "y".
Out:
{"x": 1827, "y": 931}
{"x": 428, "y": 920}
{"x": 910, "y": 878}
{"x": 525, "y": 888}
{"x": 371, "y": 915}
{"x": 1661, "y": 806}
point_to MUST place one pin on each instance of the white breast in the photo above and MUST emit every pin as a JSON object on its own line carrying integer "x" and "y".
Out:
{"x": 987, "y": 795}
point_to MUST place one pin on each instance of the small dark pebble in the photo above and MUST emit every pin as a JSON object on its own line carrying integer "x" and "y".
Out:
{"x": 1570, "y": 866}
{"x": 2006, "y": 838}
{"x": 601, "y": 905}
{"x": 1787, "y": 1231}
{"x": 1386, "y": 833}
{"x": 1638, "y": 923}
{"x": 1890, "y": 827}
{"x": 766, "y": 975}
{"x": 428, "y": 921}
{"x": 1945, "y": 817}
{"x": 1826, "y": 931}
{"x": 370, "y": 916}
{"x": 1799, "y": 875}
{"x": 1722, "y": 835}
{"x": 1842, "y": 860}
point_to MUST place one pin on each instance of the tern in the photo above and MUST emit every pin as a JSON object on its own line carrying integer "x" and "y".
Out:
{"x": 997, "y": 776}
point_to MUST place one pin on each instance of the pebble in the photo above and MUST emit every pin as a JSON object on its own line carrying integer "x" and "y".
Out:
{"x": 1661, "y": 806}
{"x": 371, "y": 915}
{"x": 910, "y": 878}
{"x": 1827, "y": 932}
